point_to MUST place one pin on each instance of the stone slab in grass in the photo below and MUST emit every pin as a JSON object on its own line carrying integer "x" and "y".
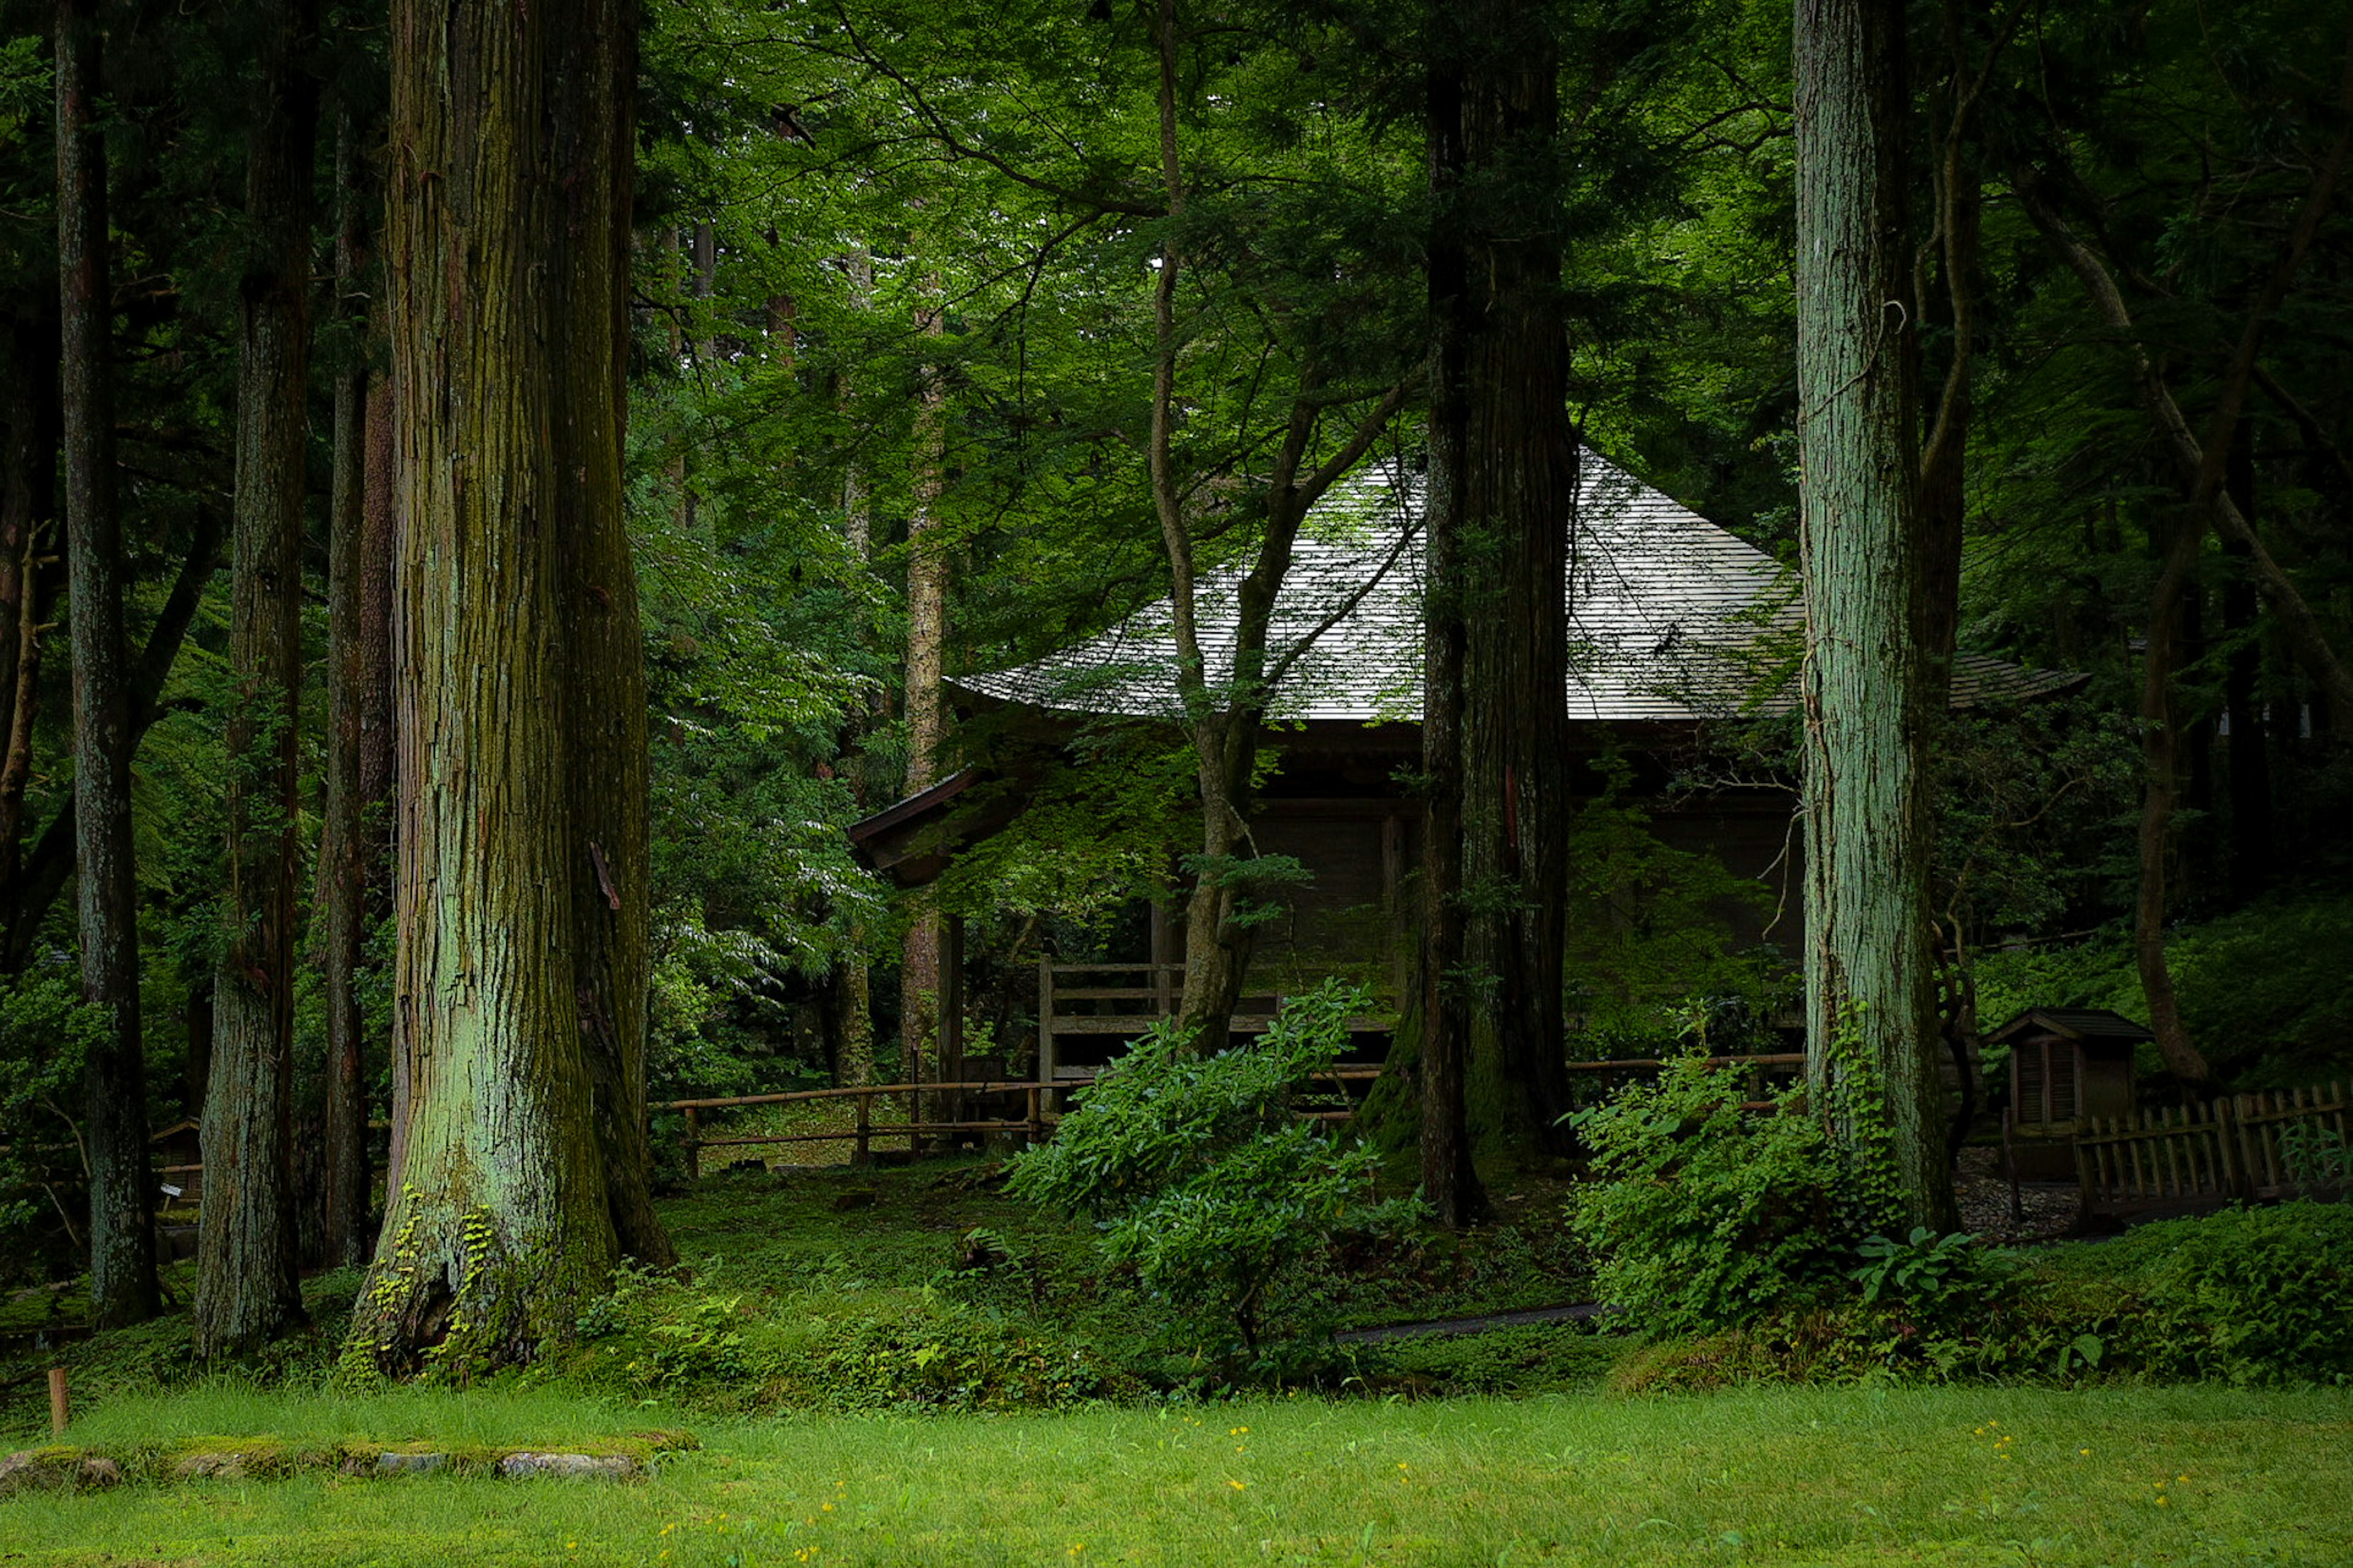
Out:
{"x": 571, "y": 1466}
{"x": 45, "y": 1469}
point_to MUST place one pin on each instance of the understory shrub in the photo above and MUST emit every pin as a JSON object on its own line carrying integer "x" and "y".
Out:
{"x": 1703, "y": 1215}
{"x": 1207, "y": 1187}
{"x": 2248, "y": 1296}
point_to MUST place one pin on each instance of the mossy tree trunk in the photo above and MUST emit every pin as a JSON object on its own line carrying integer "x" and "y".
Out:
{"x": 115, "y": 1084}
{"x": 1872, "y": 1028}
{"x": 1519, "y": 504}
{"x": 503, "y": 186}
{"x": 920, "y": 985}
{"x": 248, "y": 1288}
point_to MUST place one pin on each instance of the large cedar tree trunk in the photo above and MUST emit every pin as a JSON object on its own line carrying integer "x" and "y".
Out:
{"x": 1519, "y": 503}
{"x": 501, "y": 180}
{"x": 248, "y": 1288}
{"x": 115, "y": 1083}
{"x": 1871, "y": 1028}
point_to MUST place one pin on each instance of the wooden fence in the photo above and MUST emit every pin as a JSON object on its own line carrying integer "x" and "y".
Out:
{"x": 2241, "y": 1148}
{"x": 1039, "y": 1104}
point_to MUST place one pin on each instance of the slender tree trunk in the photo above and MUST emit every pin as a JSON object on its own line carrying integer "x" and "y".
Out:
{"x": 854, "y": 1014}
{"x": 1871, "y": 1028}
{"x": 502, "y": 1226}
{"x": 610, "y": 858}
{"x": 920, "y": 987}
{"x": 54, "y": 855}
{"x": 1226, "y": 720}
{"x": 343, "y": 836}
{"x": 2245, "y": 753}
{"x": 115, "y": 1083}
{"x": 28, "y": 508}
{"x": 1519, "y": 509}
{"x": 2160, "y": 735}
{"x": 247, "y": 1286}
{"x": 1449, "y": 1183}
{"x": 1217, "y": 944}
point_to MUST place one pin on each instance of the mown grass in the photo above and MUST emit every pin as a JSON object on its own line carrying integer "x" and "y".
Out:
{"x": 2188, "y": 1476}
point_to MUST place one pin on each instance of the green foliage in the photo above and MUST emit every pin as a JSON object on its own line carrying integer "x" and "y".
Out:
{"x": 2317, "y": 1156}
{"x": 1202, "y": 1179}
{"x": 1654, "y": 929}
{"x": 2244, "y": 1297}
{"x": 1702, "y": 1215}
{"x": 45, "y": 1030}
{"x": 1936, "y": 1278}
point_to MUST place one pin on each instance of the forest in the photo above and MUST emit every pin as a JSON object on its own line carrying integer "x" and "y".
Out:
{"x": 726, "y": 724}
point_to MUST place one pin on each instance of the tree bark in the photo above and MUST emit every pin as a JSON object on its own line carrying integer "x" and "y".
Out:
{"x": 609, "y": 862}
{"x": 502, "y": 1227}
{"x": 1450, "y": 1181}
{"x": 1519, "y": 508}
{"x": 115, "y": 1083}
{"x": 2160, "y": 738}
{"x": 2245, "y": 753}
{"x": 920, "y": 987}
{"x": 248, "y": 1283}
{"x": 343, "y": 834}
{"x": 1871, "y": 1028}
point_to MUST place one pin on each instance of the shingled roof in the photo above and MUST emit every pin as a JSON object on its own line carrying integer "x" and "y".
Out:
{"x": 1671, "y": 619}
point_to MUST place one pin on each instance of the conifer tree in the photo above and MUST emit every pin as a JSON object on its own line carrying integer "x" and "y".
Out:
{"x": 114, "y": 1130}
{"x": 519, "y": 702}
{"x": 1871, "y": 1009}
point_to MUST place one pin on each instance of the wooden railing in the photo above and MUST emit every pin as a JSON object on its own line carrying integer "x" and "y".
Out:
{"x": 1072, "y": 998}
{"x": 2223, "y": 1151}
{"x": 1039, "y": 1102}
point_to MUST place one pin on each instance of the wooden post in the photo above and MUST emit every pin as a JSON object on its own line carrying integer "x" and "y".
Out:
{"x": 952, "y": 1020}
{"x": 863, "y": 1154}
{"x": 1037, "y": 1129}
{"x": 2010, "y": 1165}
{"x": 693, "y": 1144}
{"x": 1046, "y": 1020}
{"x": 59, "y": 1411}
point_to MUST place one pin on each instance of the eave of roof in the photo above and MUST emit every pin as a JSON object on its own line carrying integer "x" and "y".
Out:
{"x": 1672, "y": 620}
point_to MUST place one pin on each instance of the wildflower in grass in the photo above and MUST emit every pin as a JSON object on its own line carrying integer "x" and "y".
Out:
{"x": 1238, "y": 1486}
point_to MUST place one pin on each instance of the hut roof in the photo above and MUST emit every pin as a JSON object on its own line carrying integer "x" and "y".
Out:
{"x": 2074, "y": 1024}
{"x": 1671, "y": 619}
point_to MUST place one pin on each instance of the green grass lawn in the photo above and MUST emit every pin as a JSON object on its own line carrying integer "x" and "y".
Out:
{"x": 2178, "y": 1476}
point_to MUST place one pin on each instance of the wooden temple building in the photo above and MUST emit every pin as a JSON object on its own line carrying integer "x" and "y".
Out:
{"x": 1676, "y": 626}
